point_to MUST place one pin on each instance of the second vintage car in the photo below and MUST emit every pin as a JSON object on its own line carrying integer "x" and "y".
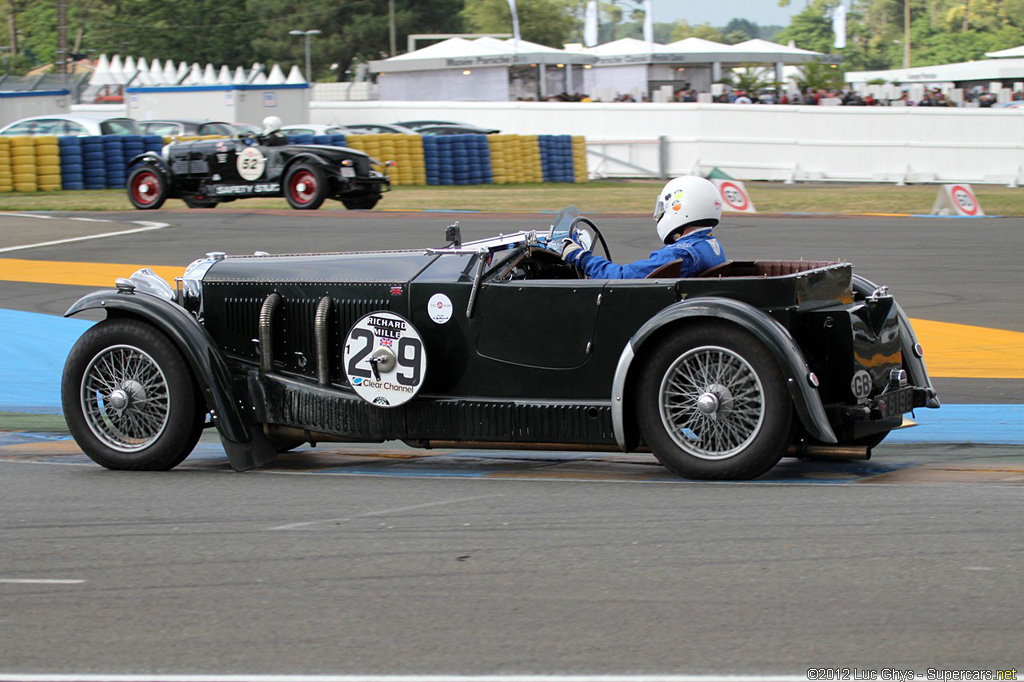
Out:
{"x": 494, "y": 344}
{"x": 204, "y": 173}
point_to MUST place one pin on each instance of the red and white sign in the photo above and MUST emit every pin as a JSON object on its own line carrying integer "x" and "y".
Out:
{"x": 734, "y": 196}
{"x": 957, "y": 200}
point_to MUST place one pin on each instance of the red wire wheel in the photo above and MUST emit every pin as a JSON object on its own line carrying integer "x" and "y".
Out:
{"x": 305, "y": 187}
{"x": 146, "y": 188}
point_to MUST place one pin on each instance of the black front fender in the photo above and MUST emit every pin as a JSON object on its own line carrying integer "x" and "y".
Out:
{"x": 769, "y": 331}
{"x": 203, "y": 357}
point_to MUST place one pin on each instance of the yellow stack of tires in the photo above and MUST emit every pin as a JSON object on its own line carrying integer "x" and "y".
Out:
{"x": 579, "y": 158}
{"x": 389, "y": 154}
{"x": 23, "y": 164}
{"x": 368, "y": 144}
{"x": 6, "y": 174}
{"x": 529, "y": 166}
{"x": 47, "y": 163}
{"x": 504, "y": 150}
{"x": 409, "y": 168}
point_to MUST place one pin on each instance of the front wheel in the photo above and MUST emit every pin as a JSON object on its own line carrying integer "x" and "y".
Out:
{"x": 146, "y": 188}
{"x": 712, "y": 404}
{"x": 129, "y": 397}
{"x": 365, "y": 203}
{"x": 305, "y": 186}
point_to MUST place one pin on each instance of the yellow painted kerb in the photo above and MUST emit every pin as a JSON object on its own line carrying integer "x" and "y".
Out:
{"x": 100, "y": 275}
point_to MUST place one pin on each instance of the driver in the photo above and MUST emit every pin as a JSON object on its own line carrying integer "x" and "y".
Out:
{"x": 271, "y": 134}
{"x": 688, "y": 208}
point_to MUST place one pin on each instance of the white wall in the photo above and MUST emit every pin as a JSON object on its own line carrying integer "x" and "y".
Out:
{"x": 18, "y": 105}
{"x": 247, "y": 104}
{"x": 751, "y": 142}
{"x": 451, "y": 84}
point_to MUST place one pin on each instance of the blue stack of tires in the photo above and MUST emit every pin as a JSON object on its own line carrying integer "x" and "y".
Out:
{"x": 339, "y": 141}
{"x": 133, "y": 146}
{"x": 72, "y": 167}
{"x": 113, "y": 150}
{"x": 556, "y": 158}
{"x": 153, "y": 143}
{"x": 94, "y": 165}
{"x": 461, "y": 158}
{"x": 485, "y": 172}
{"x": 300, "y": 139}
{"x": 321, "y": 139}
{"x": 432, "y": 159}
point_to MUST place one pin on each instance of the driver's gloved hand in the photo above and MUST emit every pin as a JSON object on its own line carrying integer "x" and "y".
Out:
{"x": 571, "y": 251}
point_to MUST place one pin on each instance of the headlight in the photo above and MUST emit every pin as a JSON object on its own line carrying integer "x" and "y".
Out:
{"x": 190, "y": 284}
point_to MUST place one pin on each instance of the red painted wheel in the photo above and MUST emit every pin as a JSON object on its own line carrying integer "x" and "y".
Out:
{"x": 305, "y": 187}
{"x": 146, "y": 188}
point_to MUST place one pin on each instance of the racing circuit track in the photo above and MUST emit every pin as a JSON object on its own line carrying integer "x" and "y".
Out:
{"x": 380, "y": 560}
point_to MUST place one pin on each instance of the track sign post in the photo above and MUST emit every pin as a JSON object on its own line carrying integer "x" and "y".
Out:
{"x": 734, "y": 196}
{"x": 957, "y": 200}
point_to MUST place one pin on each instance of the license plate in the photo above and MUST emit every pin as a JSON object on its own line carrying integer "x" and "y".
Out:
{"x": 347, "y": 172}
{"x": 898, "y": 402}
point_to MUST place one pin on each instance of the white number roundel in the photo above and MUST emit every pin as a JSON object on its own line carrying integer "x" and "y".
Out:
{"x": 385, "y": 361}
{"x": 251, "y": 163}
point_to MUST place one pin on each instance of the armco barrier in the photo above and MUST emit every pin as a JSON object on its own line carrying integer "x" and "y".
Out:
{"x": 28, "y": 164}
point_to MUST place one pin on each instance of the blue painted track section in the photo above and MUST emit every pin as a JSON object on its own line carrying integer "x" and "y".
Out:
{"x": 35, "y": 347}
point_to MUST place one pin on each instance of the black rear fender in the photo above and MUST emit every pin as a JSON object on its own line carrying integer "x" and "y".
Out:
{"x": 806, "y": 400}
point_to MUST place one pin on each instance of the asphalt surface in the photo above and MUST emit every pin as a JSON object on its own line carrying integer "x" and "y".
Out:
{"x": 373, "y": 560}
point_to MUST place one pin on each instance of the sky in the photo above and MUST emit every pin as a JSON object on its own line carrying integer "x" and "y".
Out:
{"x": 720, "y": 12}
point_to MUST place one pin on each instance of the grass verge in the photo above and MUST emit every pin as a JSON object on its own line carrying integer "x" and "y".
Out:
{"x": 605, "y": 196}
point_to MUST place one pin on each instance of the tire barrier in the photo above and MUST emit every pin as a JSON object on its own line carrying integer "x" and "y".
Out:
{"x": 46, "y": 163}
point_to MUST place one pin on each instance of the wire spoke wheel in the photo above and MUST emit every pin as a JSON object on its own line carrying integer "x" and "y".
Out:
{"x": 712, "y": 403}
{"x": 129, "y": 397}
{"x": 125, "y": 398}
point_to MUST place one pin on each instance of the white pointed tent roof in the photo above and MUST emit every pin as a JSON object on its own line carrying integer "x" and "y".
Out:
{"x": 224, "y": 75}
{"x": 295, "y": 76}
{"x": 693, "y": 44}
{"x": 101, "y": 74}
{"x": 239, "y": 78}
{"x": 156, "y": 74}
{"x": 170, "y": 73}
{"x": 1005, "y": 54}
{"x": 625, "y": 46}
{"x": 209, "y": 75}
{"x": 259, "y": 79}
{"x": 116, "y": 70}
{"x": 758, "y": 45}
{"x": 459, "y": 53}
{"x": 276, "y": 76}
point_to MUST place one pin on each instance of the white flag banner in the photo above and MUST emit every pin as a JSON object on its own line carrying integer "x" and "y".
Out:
{"x": 648, "y": 21}
{"x": 515, "y": 22}
{"x": 839, "y": 26}
{"x": 590, "y": 24}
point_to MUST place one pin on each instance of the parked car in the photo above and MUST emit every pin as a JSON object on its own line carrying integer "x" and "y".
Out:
{"x": 419, "y": 127}
{"x": 377, "y": 128}
{"x": 189, "y": 127}
{"x": 314, "y": 129}
{"x": 494, "y": 344}
{"x": 204, "y": 173}
{"x": 454, "y": 129}
{"x": 72, "y": 124}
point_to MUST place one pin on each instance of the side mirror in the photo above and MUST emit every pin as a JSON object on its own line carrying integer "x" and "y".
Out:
{"x": 453, "y": 235}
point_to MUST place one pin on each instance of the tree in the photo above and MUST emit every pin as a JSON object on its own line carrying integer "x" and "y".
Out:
{"x": 744, "y": 27}
{"x": 684, "y": 30}
{"x": 548, "y": 22}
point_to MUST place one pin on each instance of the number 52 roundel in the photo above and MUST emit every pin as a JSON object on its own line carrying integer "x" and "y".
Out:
{"x": 384, "y": 359}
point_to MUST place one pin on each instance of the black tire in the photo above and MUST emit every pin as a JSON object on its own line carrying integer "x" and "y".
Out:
{"x": 712, "y": 404}
{"x": 196, "y": 202}
{"x": 305, "y": 186}
{"x": 361, "y": 203}
{"x": 147, "y": 189}
{"x": 129, "y": 398}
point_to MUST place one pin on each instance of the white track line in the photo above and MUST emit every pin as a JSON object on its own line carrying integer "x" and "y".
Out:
{"x": 147, "y": 226}
{"x": 39, "y": 581}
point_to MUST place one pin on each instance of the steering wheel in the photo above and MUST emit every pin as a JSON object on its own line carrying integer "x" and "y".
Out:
{"x": 583, "y": 231}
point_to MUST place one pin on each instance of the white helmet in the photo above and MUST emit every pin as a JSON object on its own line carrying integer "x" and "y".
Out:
{"x": 689, "y": 201}
{"x": 271, "y": 124}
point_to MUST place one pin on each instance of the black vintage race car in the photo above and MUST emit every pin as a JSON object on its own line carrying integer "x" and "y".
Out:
{"x": 204, "y": 173}
{"x": 494, "y": 344}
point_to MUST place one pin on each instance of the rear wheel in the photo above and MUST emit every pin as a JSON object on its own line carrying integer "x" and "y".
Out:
{"x": 713, "y": 404}
{"x": 146, "y": 188}
{"x": 305, "y": 186}
{"x": 365, "y": 203}
{"x": 129, "y": 397}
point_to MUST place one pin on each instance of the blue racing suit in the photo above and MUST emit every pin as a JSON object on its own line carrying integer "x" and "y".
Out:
{"x": 698, "y": 250}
